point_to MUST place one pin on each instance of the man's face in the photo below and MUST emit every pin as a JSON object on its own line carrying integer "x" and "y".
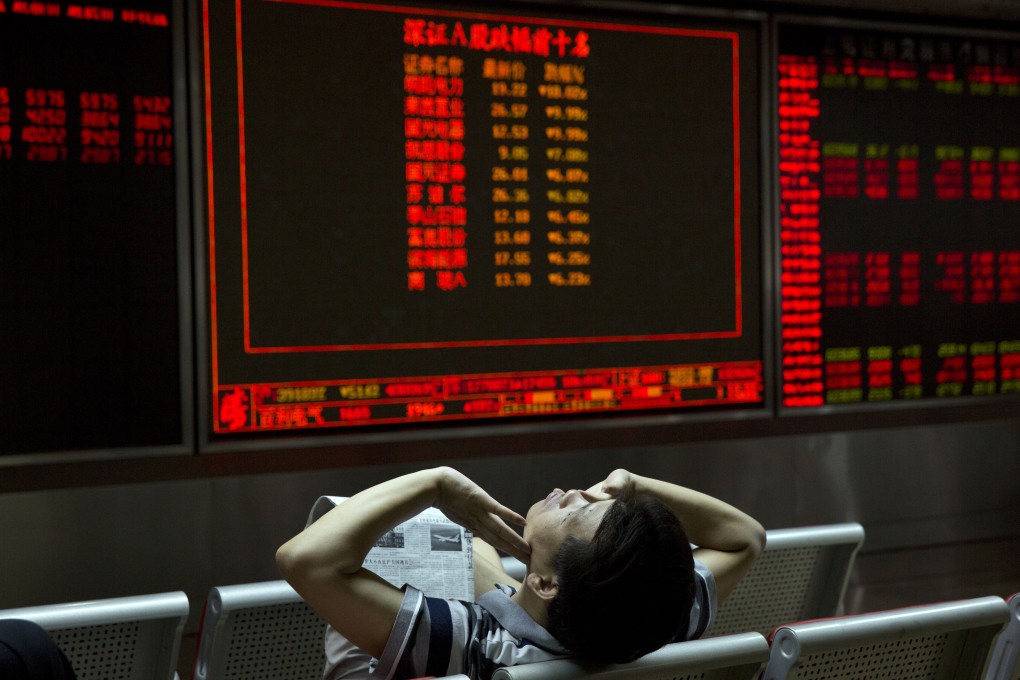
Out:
{"x": 561, "y": 514}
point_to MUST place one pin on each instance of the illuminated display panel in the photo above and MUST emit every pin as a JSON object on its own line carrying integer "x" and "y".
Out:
{"x": 89, "y": 308}
{"x": 425, "y": 214}
{"x": 899, "y": 176}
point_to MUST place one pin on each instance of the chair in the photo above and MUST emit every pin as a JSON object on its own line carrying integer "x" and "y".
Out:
{"x": 802, "y": 574}
{"x": 1005, "y": 661}
{"x": 730, "y": 657}
{"x": 948, "y": 641}
{"x": 122, "y": 638}
{"x": 259, "y": 630}
{"x": 514, "y": 567}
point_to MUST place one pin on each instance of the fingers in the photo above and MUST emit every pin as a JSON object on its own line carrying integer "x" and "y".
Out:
{"x": 617, "y": 481}
{"x": 516, "y": 550}
{"x": 597, "y": 494}
{"x": 612, "y": 485}
{"x": 507, "y": 539}
{"x": 507, "y": 515}
{"x": 469, "y": 505}
{"x": 491, "y": 527}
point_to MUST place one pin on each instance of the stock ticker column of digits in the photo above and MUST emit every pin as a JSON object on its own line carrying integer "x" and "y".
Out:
{"x": 88, "y": 226}
{"x": 530, "y": 216}
{"x": 55, "y": 122}
{"x": 936, "y": 307}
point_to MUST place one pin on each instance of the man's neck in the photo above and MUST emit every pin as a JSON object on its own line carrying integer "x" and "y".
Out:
{"x": 532, "y": 604}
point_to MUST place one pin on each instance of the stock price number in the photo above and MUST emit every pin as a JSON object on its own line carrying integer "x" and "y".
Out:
{"x": 515, "y": 110}
{"x": 501, "y": 131}
{"x": 516, "y": 258}
{"x": 512, "y": 279}
{"x": 504, "y": 195}
{"x": 505, "y": 237}
{"x": 502, "y": 173}
{"x": 504, "y": 216}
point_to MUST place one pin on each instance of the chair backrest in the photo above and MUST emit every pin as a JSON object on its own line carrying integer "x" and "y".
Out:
{"x": 947, "y": 641}
{"x": 730, "y": 657}
{"x": 514, "y": 567}
{"x": 122, "y": 638}
{"x": 259, "y": 630}
{"x": 802, "y": 574}
{"x": 1005, "y": 661}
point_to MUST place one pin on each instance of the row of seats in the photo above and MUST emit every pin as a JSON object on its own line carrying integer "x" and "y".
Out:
{"x": 264, "y": 630}
{"x": 122, "y": 638}
{"x": 947, "y": 640}
{"x": 137, "y": 638}
{"x": 803, "y": 573}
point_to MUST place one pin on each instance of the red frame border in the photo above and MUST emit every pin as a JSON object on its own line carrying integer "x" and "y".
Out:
{"x": 389, "y": 420}
{"x": 250, "y": 349}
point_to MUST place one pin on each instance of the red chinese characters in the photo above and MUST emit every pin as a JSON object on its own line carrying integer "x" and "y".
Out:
{"x": 36, "y": 8}
{"x": 800, "y": 193}
{"x": 484, "y": 37}
{"x": 434, "y": 172}
{"x": 6, "y": 150}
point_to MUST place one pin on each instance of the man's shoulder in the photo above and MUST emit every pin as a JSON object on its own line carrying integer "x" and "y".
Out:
{"x": 705, "y": 601}
{"x": 479, "y": 637}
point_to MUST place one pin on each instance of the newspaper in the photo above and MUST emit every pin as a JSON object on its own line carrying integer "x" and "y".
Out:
{"x": 427, "y": 551}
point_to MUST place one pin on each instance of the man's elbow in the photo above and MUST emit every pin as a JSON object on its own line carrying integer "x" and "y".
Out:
{"x": 306, "y": 567}
{"x": 754, "y": 538}
{"x": 732, "y": 565}
{"x": 288, "y": 562}
{"x": 298, "y": 566}
{"x": 757, "y": 538}
{"x": 751, "y": 543}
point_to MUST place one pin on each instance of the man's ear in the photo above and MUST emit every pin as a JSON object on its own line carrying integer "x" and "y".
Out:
{"x": 544, "y": 586}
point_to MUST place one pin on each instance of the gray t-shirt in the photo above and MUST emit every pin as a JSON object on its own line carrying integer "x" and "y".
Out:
{"x": 437, "y": 637}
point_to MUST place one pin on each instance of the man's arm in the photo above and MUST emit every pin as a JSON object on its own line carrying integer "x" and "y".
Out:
{"x": 489, "y": 569}
{"x": 323, "y": 562}
{"x": 729, "y": 541}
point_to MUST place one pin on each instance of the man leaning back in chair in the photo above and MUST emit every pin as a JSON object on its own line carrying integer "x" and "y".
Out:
{"x": 610, "y": 576}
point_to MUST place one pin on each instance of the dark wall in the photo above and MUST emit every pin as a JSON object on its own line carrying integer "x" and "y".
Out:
{"x": 911, "y": 487}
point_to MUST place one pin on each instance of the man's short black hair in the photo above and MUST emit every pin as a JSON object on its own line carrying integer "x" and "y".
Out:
{"x": 629, "y": 590}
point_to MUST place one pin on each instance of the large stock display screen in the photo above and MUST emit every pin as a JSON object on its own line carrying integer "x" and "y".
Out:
{"x": 89, "y": 302}
{"x": 425, "y": 214}
{"x": 899, "y": 178}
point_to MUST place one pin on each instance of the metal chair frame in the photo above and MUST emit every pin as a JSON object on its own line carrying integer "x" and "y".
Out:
{"x": 729, "y": 657}
{"x": 1005, "y": 661}
{"x": 259, "y": 629}
{"x": 802, "y": 574}
{"x": 947, "y": 641}
{"x": 123, "y": 638}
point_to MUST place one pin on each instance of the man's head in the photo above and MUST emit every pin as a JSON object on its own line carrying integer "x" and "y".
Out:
{"x": 617, "y": 575}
